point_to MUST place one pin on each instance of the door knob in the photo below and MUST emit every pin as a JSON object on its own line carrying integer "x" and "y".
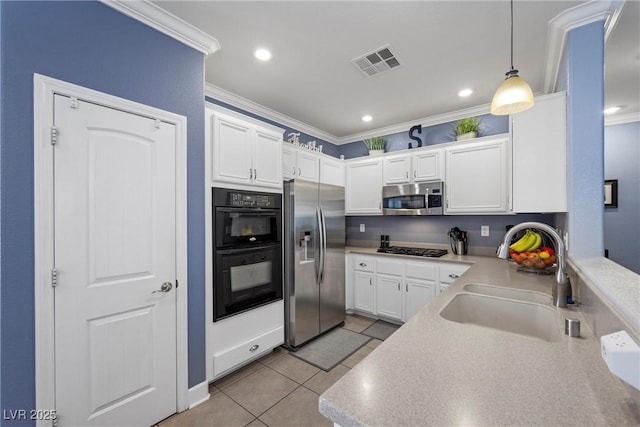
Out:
{"x": 164, "y": 288}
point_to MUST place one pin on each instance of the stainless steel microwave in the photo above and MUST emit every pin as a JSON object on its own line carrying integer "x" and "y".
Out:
{"x": 424, "y": 198}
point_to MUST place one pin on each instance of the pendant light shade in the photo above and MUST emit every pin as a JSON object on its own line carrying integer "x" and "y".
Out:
{"x": 514, "y": 94}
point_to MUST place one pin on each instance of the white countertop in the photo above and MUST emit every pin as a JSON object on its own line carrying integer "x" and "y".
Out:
{"x": 436, "y": 372}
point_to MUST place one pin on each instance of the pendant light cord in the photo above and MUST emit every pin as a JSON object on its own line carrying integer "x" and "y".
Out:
{"x": 512, "y": 34}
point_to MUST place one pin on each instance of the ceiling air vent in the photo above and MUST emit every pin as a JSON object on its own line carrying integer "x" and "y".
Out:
{"x": 377, "y": 61}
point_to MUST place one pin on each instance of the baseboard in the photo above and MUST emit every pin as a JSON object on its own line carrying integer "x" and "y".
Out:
{"x": 198, "y": 394}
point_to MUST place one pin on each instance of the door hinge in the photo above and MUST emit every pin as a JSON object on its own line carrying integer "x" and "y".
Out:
{"x": 54, "y": 135}
{"x": 157, "y": 124}
{"x": 73, "y": 102}
{"x": 54, "y": 421}
{"x": 54, "y": 277}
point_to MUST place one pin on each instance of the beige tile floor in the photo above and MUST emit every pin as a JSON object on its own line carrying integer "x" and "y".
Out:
{"x": 276, "y": 390}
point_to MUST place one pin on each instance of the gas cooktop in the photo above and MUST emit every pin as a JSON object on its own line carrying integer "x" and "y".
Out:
{"x": 402, "y": 250}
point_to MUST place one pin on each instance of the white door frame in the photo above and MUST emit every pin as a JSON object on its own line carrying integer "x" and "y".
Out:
{"x": 44, "y": 89}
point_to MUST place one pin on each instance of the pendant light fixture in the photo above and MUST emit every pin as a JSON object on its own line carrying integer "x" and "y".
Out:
{"x": 514, "y": 94}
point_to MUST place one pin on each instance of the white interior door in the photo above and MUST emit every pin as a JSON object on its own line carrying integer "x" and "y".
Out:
{"x": 115, "y": 246}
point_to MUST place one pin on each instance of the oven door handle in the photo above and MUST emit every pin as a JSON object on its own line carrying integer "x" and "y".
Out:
{"x": 246, "y": 249}
{"x": 257, "y": 211}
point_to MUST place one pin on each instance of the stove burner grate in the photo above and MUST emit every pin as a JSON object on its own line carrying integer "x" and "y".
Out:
{"x": 424, "y": 252}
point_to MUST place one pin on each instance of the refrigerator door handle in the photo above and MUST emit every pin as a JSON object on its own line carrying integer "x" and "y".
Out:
{"x": 323, "y": 242}
{"x": 320, "y": 258}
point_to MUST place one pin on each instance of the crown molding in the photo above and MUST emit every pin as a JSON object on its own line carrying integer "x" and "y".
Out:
{"x": 262, "y": 111}
{"x": 238, "y": 101}
{"x": 425, "y": 122}
{"x": 622, "y": 119}
{"x": 161, "y": 20}
{"x": 558, "y": 27}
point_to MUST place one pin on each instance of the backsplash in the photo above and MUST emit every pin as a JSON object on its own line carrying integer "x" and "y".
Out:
{"x": 433, "y": 229}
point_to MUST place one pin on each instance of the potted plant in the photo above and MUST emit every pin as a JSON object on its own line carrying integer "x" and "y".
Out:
{"x": 375, "y": 145}
{"x": 467, "y": 128}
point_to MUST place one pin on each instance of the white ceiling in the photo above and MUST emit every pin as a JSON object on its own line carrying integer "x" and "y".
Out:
{"x": 443, "y": 46}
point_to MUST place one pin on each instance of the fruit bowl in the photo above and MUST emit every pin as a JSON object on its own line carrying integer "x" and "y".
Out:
{"x": 529, "y": 251}
{"x": 538, "y": 259}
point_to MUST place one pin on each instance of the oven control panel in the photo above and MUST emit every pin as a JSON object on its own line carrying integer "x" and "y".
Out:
{"x": 248, "y": 200}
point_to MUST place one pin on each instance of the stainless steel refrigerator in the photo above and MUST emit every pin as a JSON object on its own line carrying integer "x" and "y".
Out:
{"x": 314, "y": 241}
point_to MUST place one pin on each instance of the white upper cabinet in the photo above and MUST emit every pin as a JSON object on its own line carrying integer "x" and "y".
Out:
{"x": 331, "y": 171}
{"x": 424, "y": 165}
{"x": 267, "y": 168}
{"x": 311, "y": 166}
{"x": 539, "y": 156}
{"x": 363, "y": 189}
{"x": 289, "y": 166}
{"x": 308, "y": 166}
{"x": 397, "y": 169}
{"x": 245, "y": 153}
{"x": 478, "y": 177}
{"x": 428, "y": 165}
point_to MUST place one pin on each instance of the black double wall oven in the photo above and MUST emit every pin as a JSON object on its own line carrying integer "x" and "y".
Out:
{"x": 247, "y": 252}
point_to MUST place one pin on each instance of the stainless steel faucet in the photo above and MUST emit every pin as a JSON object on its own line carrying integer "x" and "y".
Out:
{"x": 562, "y": 280}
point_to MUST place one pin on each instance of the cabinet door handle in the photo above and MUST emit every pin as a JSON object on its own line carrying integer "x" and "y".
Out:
{"x": 250, "y": 174}
{"x": 415, "y": 174}
{"x": 299, "y": 171}
{"x": 255, "y": 174}
{"x": 294, "y": 170}
{"x": 407, "y": 287}
{"x": 407, "y": 174}
{"x": 362, "y": 264}
{"x": 370, "y": 281}
{"x": 379, "y": 205}
{"x": 453, "y": 276}
{"x": 398, "y": 286}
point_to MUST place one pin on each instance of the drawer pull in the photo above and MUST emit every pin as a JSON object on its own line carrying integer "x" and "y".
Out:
{"x": 254, "y": 347}
{"x": 453, "y": 276}
{"x": 362, "y": 264}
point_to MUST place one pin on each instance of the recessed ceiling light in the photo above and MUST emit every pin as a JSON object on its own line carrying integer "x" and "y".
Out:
{"x": 611, "y": 110}
{"x": 367, "y": 118}
{"x": 262, "y": 54}
{"x": 464, "y": 93}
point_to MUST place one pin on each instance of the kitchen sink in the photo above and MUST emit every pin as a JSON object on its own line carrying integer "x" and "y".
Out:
{"x": 517, "y": 317}
{"x": 519, "y": 294}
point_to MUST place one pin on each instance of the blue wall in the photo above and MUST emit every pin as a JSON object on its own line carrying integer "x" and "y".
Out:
{"x": 92, "y": 45}
{"x": 622, "y": 224}
{"x": 431, "y": 135}
{"x": 585, "y": 140}
{"x": 327, "y": 147}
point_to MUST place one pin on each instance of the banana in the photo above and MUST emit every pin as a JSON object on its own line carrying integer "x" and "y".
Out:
{"x": 524, "y": 242}
{"x": 537, "y": 242}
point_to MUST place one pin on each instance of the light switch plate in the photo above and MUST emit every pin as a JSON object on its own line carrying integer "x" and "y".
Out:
{"x": 362, "y": 228}
{"x": 484, "y": 230}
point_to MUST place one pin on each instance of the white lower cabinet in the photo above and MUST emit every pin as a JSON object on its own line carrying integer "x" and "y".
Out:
{"x": 240, "y": 339}
{"x": 363, "y": 288}
{"x": 394, "y": 288}
{"x": 362, "y": 283}
{"x": 449, "y": 273}
{"x": 389, "y": 296}
{"x": 420, "y": 285}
